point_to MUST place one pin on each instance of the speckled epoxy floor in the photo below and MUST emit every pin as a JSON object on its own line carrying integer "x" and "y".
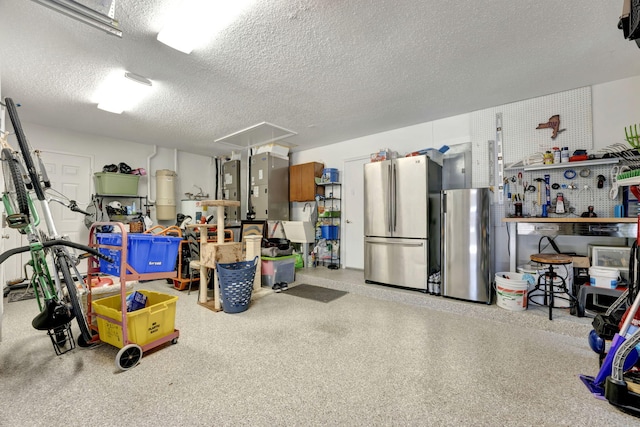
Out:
{"x": 376, "y": 356}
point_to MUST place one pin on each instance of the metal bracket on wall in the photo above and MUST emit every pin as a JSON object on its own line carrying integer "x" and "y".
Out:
{"x": 492, "y": 163}
{"x": 499, "y": 159}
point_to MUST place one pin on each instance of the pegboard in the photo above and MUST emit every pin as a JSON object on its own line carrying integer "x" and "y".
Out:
{"x": 521, "y": 139}
{"x": 578, "y": 198}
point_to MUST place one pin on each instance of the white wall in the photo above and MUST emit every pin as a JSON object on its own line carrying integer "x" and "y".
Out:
{"x": 192, "y": 169}
{"x": 449, "y": 131}
{"x": 616, "y": 105}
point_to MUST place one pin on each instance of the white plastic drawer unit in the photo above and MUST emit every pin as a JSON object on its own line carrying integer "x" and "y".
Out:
{"x": 611, "y": 256}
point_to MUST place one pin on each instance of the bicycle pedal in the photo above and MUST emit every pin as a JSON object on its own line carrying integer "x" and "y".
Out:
{"x": 18, "y": 220}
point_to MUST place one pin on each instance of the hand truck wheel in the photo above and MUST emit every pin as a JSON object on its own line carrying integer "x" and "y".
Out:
{"x": 128, "y": 356}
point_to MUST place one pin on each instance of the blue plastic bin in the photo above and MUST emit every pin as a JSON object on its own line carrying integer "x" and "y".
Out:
{"x": 146, "y": 253}
{"x": 330, "y": 232}
{"x": 330, "y": 174}
{"x": 236, "y": 284}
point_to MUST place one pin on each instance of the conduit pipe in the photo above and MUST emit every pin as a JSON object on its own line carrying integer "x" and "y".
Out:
{"x": 155, "y": 151}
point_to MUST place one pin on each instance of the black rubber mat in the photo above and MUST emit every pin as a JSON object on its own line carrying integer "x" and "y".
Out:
{"x": 315, "y": 293}
{"x": 21, "y": 295}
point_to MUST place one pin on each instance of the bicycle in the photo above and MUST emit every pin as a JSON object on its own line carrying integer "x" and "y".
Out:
{"x": 58, "y": 305}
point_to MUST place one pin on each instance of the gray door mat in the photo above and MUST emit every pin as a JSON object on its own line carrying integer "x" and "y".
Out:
{"x": 21, "y": 295}
{"x": 315, "y": 293}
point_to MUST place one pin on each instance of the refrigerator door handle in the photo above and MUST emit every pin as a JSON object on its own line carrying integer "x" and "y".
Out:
{"x": 378, "y": 242}
{"x": 395, "y": 213}
{"x": 389, "y": 204}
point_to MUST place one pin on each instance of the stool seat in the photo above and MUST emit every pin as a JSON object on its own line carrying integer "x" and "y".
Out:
{"x": 555, "y": 259}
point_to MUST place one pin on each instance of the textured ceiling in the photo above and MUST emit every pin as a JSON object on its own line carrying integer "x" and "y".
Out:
{"x": 328, "y": 70}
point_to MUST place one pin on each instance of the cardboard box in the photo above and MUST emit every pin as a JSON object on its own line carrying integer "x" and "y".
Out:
{"x": 581, "y": 262}
{"x": 136, "y": 301}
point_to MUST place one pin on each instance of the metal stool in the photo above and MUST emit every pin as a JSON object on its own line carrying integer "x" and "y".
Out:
{"x": 546, "y": 281}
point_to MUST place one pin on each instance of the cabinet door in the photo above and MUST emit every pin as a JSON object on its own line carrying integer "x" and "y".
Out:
{"x": 318, "y": 168}
{"x": 302, "y": 184}
{"x": 308, "y": 184}
{"x": 295, "y": 183}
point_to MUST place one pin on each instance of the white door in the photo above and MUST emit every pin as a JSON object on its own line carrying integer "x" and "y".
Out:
{"x": 71, "y": 175}
{"x": 353, "y": 212}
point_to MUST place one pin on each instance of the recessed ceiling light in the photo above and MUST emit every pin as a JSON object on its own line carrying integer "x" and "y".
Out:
{"x": 121, "y": 91}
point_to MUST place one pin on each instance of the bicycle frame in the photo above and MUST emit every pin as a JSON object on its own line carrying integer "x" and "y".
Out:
{"x": 57, "y": 309}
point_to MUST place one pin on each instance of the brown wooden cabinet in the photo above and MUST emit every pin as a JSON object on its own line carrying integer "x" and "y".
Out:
{"x": 302, "y": 183}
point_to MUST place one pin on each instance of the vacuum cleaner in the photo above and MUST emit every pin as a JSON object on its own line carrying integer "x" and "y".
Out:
{"x": 617, "y": 381}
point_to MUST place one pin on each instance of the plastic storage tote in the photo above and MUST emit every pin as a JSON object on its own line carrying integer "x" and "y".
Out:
{"x": 116, "y": 184}
{"x": 330, "y": 232}
{"x": 146, "y": 253}
{"x": 155, "y": 321}
{"x": 278, "y": 270}
{"x": 236, "y": 284}
{"x": 330, "y": 175}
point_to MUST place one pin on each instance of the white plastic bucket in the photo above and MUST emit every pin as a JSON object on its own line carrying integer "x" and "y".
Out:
{"x": 535, "y": 269}
{"x": 604, "y": 277}
{"x": 511, "y": 291}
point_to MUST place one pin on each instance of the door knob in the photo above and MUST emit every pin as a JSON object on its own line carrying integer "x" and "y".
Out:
{"x": 348, "y": 221}
{"x": 5, "y": 236}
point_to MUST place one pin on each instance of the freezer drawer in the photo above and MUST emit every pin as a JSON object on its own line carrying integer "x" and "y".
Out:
{"x": 399, "y": 262}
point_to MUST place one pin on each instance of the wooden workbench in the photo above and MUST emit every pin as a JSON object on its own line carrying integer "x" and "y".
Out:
{"x": 567, "y": 226}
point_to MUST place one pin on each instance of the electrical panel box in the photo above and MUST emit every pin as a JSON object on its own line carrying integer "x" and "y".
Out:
{"x": 231, "y": 188}
{"x": 269, "y": 186}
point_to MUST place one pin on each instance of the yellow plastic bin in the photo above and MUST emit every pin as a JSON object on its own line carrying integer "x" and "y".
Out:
{"x": 155, "y": 321}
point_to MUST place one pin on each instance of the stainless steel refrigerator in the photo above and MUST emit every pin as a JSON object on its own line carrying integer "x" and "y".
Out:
{"x": 402, "y": 221}
{"x": 466, "y": 244}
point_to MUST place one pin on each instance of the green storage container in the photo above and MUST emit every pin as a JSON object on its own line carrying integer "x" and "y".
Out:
{"x": 116, "y": 184}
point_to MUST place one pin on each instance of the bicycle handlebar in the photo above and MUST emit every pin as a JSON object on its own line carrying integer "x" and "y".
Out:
{"x": 74, "y": 207}
{"x": 58, "y": 242}
{"x": 68, "y": 203}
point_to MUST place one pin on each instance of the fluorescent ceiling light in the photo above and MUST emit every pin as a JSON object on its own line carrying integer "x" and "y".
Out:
{"x": 195, "y": 23}
{"x": 121, "y": 91}
{"x": 84, "y": 14}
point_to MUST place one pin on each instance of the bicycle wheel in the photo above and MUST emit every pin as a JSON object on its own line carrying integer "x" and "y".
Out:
{"x": 72, "y": 295}
{"x": 24, "y": 148}
{"x": 14, "y": 185}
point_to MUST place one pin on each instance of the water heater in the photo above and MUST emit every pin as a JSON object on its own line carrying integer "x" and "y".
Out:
{"x": 195, "y": 210}
{"x": 166, "y": 194}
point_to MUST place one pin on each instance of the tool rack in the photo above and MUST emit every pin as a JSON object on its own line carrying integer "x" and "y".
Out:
{"x": 131, "y": 352}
